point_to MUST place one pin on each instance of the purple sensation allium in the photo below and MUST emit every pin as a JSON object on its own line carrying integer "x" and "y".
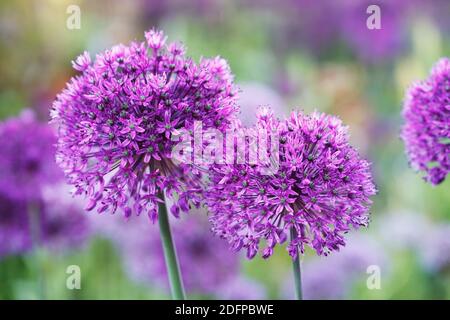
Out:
{"x": 117, "y": 117}
{"x": 205, "y": 261}
{"x": 27, "y": 159}
{"x": 321, "y": 188}
{"x": 14, "y": 235}
{"x": 426, "y": 132}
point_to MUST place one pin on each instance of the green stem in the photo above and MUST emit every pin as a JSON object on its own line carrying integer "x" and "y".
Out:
{"x": 170, "y": 255}
{"x": 297, "y": 270}
{"x": 35, "y": 231}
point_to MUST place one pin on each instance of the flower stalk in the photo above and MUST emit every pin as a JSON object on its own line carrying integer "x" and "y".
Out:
{"x": 170, "y": 254}
{"x": 297, "y": 270}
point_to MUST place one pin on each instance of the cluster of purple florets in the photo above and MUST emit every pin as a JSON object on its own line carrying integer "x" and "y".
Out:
{"x": 116, "y": 126}
{"x": 320, "y": 190}
{"x": 426, "y": 131}
{"x": 117, "y": 118}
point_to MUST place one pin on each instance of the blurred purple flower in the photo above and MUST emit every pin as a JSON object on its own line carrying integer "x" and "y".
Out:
{"x": 154, "y": 10}
{"x": 27, "y": 160}
{"x": 321, "y": 189}
{"x": 116, "y": 119}
{"x": 310, "y": 24}
{"x": 426, "y": 132}
{"x": 60, "y": 225}
{"x": 373, "y": 45}
{"x": 29, "y": 172}
{"x": 14, "y": 235}
{"x": 63, "y": 221}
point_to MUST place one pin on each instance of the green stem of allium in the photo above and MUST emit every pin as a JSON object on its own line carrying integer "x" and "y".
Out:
{"x": 297, "y": 270}
{"x": 36, "y": 239}
{"x": 170, "y": 254}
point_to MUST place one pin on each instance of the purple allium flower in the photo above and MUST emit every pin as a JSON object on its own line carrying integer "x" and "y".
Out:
{"x": 116, "y": 119}
{"x": 321, "y": 189}
{"x": 205, "y": 261}
{"x": 14, "y": 235}
{"x": 27, "y": 160}
{"x": 426, "y": 132}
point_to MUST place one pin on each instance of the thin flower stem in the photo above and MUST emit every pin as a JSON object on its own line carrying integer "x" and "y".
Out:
{"x": 297, "y": 270}
{"x": 35, "y": 232}
{"x": 170, "y": 255}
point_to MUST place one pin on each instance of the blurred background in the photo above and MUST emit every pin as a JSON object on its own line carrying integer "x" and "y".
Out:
{"x": 290, "y": 54}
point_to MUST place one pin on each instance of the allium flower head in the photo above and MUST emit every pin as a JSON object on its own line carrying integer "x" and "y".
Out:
{"x": 27, "y": 161}
{"x": 426, "y": 132}
{"x": 116, "y": 121}
{"x": 321, "y": 189}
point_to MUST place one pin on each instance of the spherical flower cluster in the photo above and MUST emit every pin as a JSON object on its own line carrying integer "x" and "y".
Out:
{"x": 426, "y": 132}
{"x": 27, "y": 161}
{"x": 320, "y": 190}
{"x": 116, "y": 121}
{"x": 206, "y": 262}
